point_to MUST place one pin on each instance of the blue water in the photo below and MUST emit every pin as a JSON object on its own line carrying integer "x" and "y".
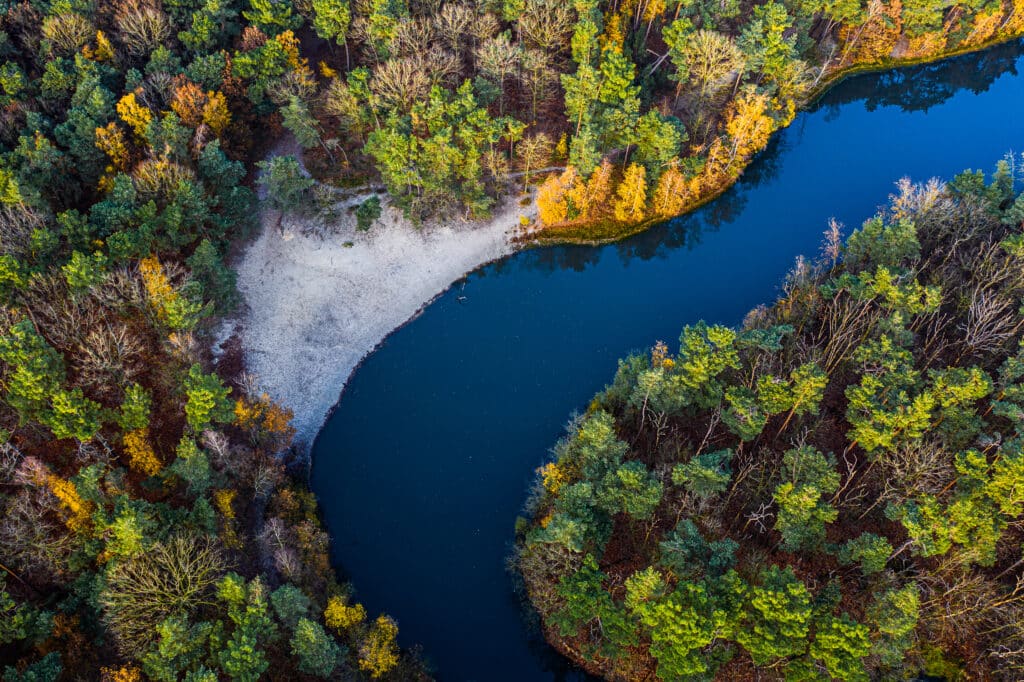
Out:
{"x": 424, "y": 465}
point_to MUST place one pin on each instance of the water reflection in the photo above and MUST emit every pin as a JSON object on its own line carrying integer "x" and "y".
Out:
{"x": 919, "y": 88}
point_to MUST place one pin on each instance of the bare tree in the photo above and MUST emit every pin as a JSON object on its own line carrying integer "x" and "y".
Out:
{"x": 498, "y": 58}
{"x": 546, "y": 24}
{"x": 172, "y": 577}
{"x": 141, "y": 27}
{"x": 533, "y": 153}
{"x": 399, "y": 83}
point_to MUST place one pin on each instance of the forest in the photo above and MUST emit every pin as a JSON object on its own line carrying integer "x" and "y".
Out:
{"x": 154, "y": 523}
{"x": 833, "y": 490}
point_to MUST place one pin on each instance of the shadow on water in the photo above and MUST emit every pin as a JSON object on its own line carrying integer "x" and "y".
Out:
{"x": 919, "y": 88}
{"x": 422, "y": 467}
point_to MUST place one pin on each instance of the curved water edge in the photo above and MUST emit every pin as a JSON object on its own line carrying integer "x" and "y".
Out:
{"x": 421, "y": 468}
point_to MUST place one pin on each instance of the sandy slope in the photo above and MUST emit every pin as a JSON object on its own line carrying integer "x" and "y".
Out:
{"x": 315, "y": 307}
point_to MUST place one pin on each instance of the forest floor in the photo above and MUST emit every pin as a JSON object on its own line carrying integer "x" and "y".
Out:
{"x": 317, "y": 301}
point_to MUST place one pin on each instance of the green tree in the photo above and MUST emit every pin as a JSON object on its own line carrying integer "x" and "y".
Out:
{"x": 630, "y": 489}
{"x": 840, "y": 644}
{"x": 871, "y": 551}
{"x": 271, "y": 16}
{"x": 285, "y": 182}
{"x": 586, "y": 601}
{"x": 687, "y": 553}
{"x": 765, "y": 41}
{"x": 290, "y": 604}
{"x": 776, "y": 617}
{"x": 368, "y": 213}
{"x": 207, "y": 400}
{"x": 807, "y": 475}
{"x": 316, "y": 650}
{"x": 681, "y": 626}
{"x": 705, "y": 475}
{"x": 331, "y": 19}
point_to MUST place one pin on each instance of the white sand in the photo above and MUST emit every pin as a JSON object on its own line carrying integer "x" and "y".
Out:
{"x": 314, "y": 307}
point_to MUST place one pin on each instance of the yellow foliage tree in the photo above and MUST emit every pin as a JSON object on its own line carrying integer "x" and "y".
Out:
{"x": 553, "y": 477}
{"x": 326, "y": 71}
{"x": 122, "y": 674}
{"x": 158, "y": 287}
{"x": 224, "y": 500}
{"x": 78, "y": 510}
{"x": 188, "y": 103}
{"x": 586, "y": 199}
{"x": 340, "y": 616}
{"x": 290, "y": 44}
{"x": 748, "y": 125}
{"x": 104, "y": 50}
{"x": 141, "y": 456}
{"x": 265, "y": 420}
{"x": 134, "y": 114}
{"x": 379, "y": 653}
{"x": 216, "y": 113}
{"x": 670, "y": 194}
{"x": 110, "y": 140}
{"x": 552, "y": 199}
{"x": 632, "y": 195}
{"x": 985, "y": 26}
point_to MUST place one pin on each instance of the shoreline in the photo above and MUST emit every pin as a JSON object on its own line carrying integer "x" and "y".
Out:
{"x": 576, "y": 233}
{"x": 316, "y": 305}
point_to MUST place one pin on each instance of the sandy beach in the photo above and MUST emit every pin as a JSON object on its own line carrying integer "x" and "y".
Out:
{"x": 319, "y": 297}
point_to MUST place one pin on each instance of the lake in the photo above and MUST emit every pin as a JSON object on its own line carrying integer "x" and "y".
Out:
{"x": 425, "y": 464}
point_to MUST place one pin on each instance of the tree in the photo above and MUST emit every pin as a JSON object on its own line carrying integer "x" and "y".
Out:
{"x": 748, "y": 125}
{"x": 290, "y": 605}
{"x": 802, "y": 516}
{"x": 586, "y": 601}
{"x": 316, "y": 650}
{"x": 368, "y": 213}
{"x": 670, "y": 194}
{"x": 533, "y": 153}
{"x": 765, "y": 43}
{"x": 340, "y": 616}
{"x": 658, "y": 139}
{"x": 630, "y": 489}
{"x": 46, "y": 669}
{"x": 871, "y": 551}
{"x": 216, "y": 278}
{"x": 271, "y": 16}
{"x": 706, "y": 474}
{"x": 688, "y": 554}
{"x": 632, "y": 195}
{"x": 296, "y": 117}
{"x": 840, "y": 644}
{"x": 552, "y": 202}
{"x": 171, "y": 578}
{"x": 709, "y": 57}
{"x": 207, "y": 400}
{"x": 681, "y": 626}
{"x": 776, "y": 617}
{"x": 285, "y": 182}
{"x": 331, "y": 19}
{"x": 378, "y": 652}
{"x": 143, "y": 29}
{"x": 498, "y": 58}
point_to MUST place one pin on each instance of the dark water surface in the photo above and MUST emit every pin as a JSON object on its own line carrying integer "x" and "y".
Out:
{"x": 424, "y": 465}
